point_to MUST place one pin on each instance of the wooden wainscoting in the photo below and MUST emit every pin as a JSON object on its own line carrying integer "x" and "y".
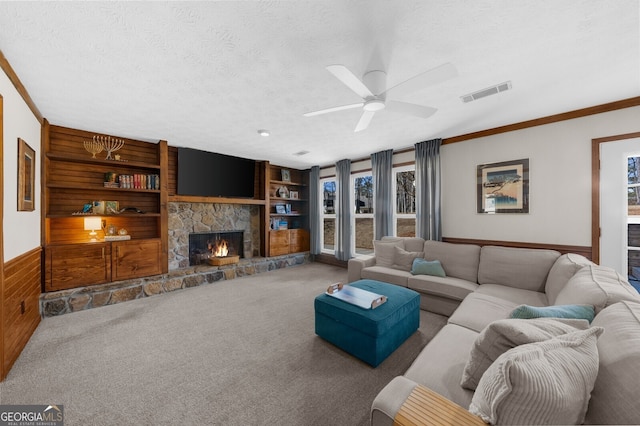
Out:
{"x": 582, "y": 250}
{"x": 21, "y": 303}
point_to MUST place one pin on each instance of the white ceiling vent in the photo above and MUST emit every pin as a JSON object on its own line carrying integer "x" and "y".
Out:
{"x": 301, "y": 153}
{"x": 502, "y": 87}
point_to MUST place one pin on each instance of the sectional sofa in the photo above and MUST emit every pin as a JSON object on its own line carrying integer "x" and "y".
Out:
{"x": 583, "y": 368}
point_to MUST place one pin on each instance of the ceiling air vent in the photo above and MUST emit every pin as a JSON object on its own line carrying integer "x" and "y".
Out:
{"x": 301, "y": 153}
{"x": 486, "y": 92}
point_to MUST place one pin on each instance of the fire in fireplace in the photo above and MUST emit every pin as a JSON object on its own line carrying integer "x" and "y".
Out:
{"x": 207, "y": 246}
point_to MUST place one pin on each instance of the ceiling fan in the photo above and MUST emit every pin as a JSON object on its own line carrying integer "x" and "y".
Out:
{"x": 372, "y": 89}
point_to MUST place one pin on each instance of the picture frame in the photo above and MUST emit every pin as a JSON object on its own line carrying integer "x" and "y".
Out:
{"x": 503, "y": 187}
{"x": 281, "y": 209}
{"x": 293, "y": 195}
{"x": 286, "y": 175}
{"x": 26, "y": 176}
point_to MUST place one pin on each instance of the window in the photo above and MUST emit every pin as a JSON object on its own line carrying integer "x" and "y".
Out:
{"x": 362, "y": 190}
{"x": 633, "y": 219}
{"x": 405, "y": 201}
{"x": 328, "y": 214}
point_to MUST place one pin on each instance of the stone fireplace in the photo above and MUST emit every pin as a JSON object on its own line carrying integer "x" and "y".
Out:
{"x": 205, "y": 245}
{"x": 199, "y": 218}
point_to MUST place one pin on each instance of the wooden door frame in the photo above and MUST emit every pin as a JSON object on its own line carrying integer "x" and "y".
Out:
{"x": 2, "y": 351}
{"x": 595, "y": 189}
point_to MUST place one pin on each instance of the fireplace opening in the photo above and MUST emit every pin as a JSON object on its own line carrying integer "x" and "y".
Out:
{"x": 216, "y": 248}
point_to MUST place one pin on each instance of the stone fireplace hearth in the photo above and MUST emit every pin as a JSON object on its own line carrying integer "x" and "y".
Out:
{"x": 196, "y": 218}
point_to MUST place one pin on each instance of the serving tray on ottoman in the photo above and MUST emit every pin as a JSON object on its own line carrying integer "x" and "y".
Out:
{"x": 369, "y": 334}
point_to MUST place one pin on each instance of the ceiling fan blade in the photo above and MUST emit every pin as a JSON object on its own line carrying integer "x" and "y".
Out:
{"x": 411, "y": 109}
{"x": 426, "y": 79}
{"x": 338, "y": 108}
{"x": 350, "y": 80}
{"x": 364, "y": 121}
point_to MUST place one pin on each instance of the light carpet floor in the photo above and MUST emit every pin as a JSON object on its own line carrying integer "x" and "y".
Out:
{"x": 239, "y": 352}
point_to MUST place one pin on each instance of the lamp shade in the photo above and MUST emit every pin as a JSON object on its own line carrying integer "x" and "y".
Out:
{"x": 92, "y": 223}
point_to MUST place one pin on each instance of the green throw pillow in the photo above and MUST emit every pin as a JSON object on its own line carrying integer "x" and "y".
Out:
{"x": 558, "y": 311}
{"x": 427, "y": 267}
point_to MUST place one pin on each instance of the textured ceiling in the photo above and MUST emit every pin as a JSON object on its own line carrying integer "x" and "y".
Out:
{"x": 208, "y": 75}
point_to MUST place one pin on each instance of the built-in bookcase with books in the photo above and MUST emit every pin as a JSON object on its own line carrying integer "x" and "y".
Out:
{"x": 288, "y": 210}
{"x": 127, "y": 193}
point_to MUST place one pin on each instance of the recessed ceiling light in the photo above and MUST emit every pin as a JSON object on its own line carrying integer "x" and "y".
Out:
{"x": 263, "y": 132}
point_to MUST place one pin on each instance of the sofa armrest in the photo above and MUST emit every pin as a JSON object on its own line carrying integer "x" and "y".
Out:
{"x": 403, "y": 402}
{"x": 356, "y": 265}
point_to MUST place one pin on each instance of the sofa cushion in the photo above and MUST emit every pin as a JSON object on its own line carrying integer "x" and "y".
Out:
{"x": 427, "y": 267}
{"x": 450, "y": 287}
{"x": 585, "y": 312}
{"x": 385, "y": 251}
{"x": 413, "y": 243}
{"x": 598, "y": 286}
{"x": 614, "y": 399}
{"x": 515, "y": 267}
{"x": 546, "y": 382}
{"x": 478, "y": 310}
{"x": 387, "y": 275}
{"x": 562, "y": 270}
{"x": 502, "y": 335}
{"x": 440, "y": 364}
{"x": 515, "y": 295}
{"x": 403, "y": 259}
{"x": 458, "y": 260}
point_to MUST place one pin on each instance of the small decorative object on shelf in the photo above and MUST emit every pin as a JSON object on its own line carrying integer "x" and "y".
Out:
{"x": 293, "y": 195}
{"x": 281, "y": 209}
{"x": 111, "y": 207}
{"x": 288, "y": 208}
{"x": 94, "y": 147}
{"x": 109, "y": 144}
{"x": 286, "y": 175}
{"x": 282, "y": 192}
{"x": 98, "y": 207}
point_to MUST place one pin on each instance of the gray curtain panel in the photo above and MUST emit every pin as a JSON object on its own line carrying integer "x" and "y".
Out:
{"x": 343, "y": 214}
{"x": 315, "y": 225}
{"x": 428, "y": 215}
{"x": 382, "y": 170}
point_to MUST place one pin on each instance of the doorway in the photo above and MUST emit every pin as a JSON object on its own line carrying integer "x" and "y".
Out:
{"x": 618, "y": 210}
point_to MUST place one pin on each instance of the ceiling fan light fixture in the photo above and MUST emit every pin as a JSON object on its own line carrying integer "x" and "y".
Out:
{"x": 373, "y": 105}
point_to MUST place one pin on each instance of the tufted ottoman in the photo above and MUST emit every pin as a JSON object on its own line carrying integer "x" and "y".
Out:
{"x": 369, "y": 334}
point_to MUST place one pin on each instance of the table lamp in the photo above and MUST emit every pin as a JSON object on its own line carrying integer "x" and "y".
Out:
{"x": 91, "y": 224}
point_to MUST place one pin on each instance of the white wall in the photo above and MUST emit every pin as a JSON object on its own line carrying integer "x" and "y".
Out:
{"x": 21, "y": 230}
{"x": 560, "y": 180}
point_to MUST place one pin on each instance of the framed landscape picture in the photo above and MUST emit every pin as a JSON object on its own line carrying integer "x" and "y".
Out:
{"x": 26, "y": 176}
{"x": 503, "y": 187}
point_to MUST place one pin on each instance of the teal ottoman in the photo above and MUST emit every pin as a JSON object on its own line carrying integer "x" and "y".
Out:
{"x": 369, "y": 334}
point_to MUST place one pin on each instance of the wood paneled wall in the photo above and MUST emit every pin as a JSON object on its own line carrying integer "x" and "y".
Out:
{"x": 21, "y": 312}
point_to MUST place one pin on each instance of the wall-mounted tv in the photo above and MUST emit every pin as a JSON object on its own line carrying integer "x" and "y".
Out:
{"x": 209, "y": 174}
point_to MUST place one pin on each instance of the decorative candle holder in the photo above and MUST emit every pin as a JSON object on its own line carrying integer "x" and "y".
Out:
{"x": 111, "y": 145}
{"x": 94, "y": 147}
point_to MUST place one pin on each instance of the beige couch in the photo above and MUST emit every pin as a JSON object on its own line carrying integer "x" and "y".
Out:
{"x": 505, "y": 278}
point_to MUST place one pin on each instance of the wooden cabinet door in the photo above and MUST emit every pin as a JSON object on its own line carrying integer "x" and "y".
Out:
{"x": 299, "y": 240}
{"x": 77, "y": 265}
{"x": 279, "y": 242}
{"x": 137, "y": 258}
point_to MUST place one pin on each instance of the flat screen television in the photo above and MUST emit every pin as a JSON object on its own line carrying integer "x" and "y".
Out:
{"x": 209, "y": 174}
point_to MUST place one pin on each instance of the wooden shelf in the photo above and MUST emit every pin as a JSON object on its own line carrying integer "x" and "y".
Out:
{"x": 111, "y": 163}
{"x": 124, "y": 215}
{"x": 219, "y": 200}
{"x": 101, "y": 188}
{"x": 281, "y": 182}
